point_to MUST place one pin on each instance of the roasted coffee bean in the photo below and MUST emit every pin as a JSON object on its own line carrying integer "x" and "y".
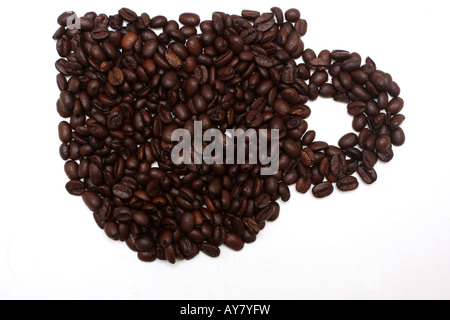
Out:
{"x": 75, "y": 187}
{"x": 112, "y": 230}
{"x": 347, "y": 183}
{"x": 398, "y": 137}
{"x": 397, "y": 121}
{"x": 349, "y": 140}
{"x": 369, "y": 158}
{"x": 318, "y": 146}
{"x": 387, "y": 155}
{"x": 338, "y": 166}
{"x": 282, "y": 107}
{"x": 128, "y": 14}
{"x": 92, "y": 200}
{"x": 359, "y": 122}
{"x": 368, "y": 175}
{"x": 303, "y": 185}
{"x": 284, "y": 191}
{"x": 190, "y": 19}
{"x": 129, "y": 40}
{"x": 116, "y": 77}
{"x": 395, "y": 106}
{"x": 144, "y": 243}
{"x": 323, "y": 190}
{"x": 234, "y": 242}
{"x": 309, "y": 137}
{"x": 292, "y": 15}
{"x": 383, "y": 143}
{"x": 291, "y": 148}
{"x": 158, "y": 22}
{"x": 210, "y": 250}
{"x": 356, "y": 108}
{"x": 340, "y": 55}
{"x": 307, "y": 157}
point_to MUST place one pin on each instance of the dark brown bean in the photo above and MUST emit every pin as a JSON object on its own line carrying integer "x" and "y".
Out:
{"x": 395, "y": 106}
{"x": 75, "y": 187}
{"x": 92, "y": 200}
{"x": 369, "y": 176}
{"x": 128, "y": 14}
{"x": 347, "y": 183}
{"x": 210, "y": 250}
{"x": 383, "y": 143}
{"x": 234, "y": 242}
{"x": 349, "y": 140}
{"x": 303, "y": 185}
{"x": 190, "y": 19}
{"x": 291, "y": 148}
{"x": 398, "y": 137}
{"x": 292, "y": 15}
{"x": 323, "y": 190}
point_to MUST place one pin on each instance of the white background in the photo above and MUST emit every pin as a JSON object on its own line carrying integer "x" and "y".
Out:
{"x": 386, "y": 241}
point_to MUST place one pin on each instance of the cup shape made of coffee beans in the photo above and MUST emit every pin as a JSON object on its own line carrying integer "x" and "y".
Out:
{"x": 128, "y": 82}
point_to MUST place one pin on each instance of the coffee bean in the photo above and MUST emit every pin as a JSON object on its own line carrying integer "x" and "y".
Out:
{"x": 291, "y": 148}
{"x": 351, "y": 64}
{"x": 395, "y": 106}
{"x": 309, "y": 137}
{"x": 359, "y": 122}
{"x": 129, "y": 40}
{"x": 284, "y": 191}
{"x": 75, "y": 187}
{"x": 210, "y": 250}
{"x": 122, "y": 191}
{"x": 128, "y": 14}
{"x": 338, "y": 166}
{"x": 190, "y": 19}
{"x": 356, "y": 108}
{"x": 369, "y": 158}
{"x": 368, "y": 175}
{"x": 293, "y": 42}
{"x": 307, "y": 157}
{"x": 387, "y": 155}
{"x": 383, "y": 143}
{"x": 349, "y": 140}
{"x": 327, "y": 91}
{"x": 116, "y": 77}
{"x": 65, "y": 132}
{"x": 172, "y": 59}
{"x": 264, "y": 61}
{"x": 141, "y": 218}
{"x": 323, "y": 190}
{"x": 144, "y": 243}
{"x": 347, "y": 183}
{"x": 92, "y": 200}
{"x": 303, "y": 185}
{"x": 318, "y": 146}
{"x": 112, "y": 230}
{"x": 340, "y": 55}
{"x": 158, "y": 22}
{"x": 292, "y": 15}
{"x": 398, "y": 137}
{"x": 282, "y": 107}
{"x": 397, "y": 121}
{"x": 234, "y": 242}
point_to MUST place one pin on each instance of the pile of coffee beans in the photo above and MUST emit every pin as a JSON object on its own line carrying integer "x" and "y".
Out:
{"x": 128, "y": 81}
